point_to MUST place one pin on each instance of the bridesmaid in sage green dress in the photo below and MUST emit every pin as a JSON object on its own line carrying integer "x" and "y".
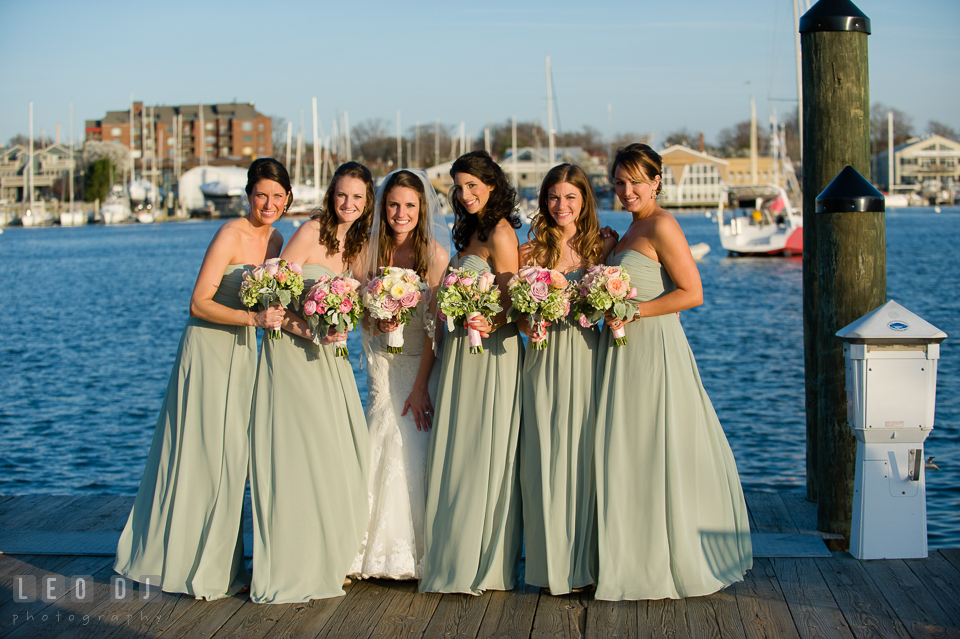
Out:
{"x": 672, "y": 518}
{"x": 472, "y": 527}
{"x": 559, "y": 397}
{"x": 309, "y": 449}
{"x": 185, "y": 529}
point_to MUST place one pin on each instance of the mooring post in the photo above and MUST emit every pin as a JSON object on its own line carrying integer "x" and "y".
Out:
{"x": 836, "y": 133}
{"x": 851, "y": 245}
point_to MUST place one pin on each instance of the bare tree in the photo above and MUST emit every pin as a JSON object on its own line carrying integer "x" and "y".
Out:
{"x": 279, "y": 135}
{"x": 735, "y": 141}
{"x": 939, "y": 128}
{"x": 902, "y": 126}
{"x": 684, "y": 137}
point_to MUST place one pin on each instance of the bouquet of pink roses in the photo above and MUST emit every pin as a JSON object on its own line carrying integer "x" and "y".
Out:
{"x": 603, "y": 288}
{"x": 541, "y": 293}
{"x": 394, "y": 295}
{"x": 466, "y": 293}
{"x": 274, "y": 282}
{"x": 333, "y": 302}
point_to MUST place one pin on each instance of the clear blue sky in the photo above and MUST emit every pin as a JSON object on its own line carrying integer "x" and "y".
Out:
{"x": 662, "y": 66}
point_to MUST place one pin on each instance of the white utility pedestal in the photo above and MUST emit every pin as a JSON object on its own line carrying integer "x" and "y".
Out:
{"x": 891, "y": 377}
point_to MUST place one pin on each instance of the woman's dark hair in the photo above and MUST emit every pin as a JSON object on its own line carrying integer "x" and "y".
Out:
{"x": 327, "y": 214}
{"x": 546, "y": 237}
{"x": 640, "y": 161}
{"x": 501, "y": 205}
{"x": 385, "y": 245}
{"x": 269, "y": 169}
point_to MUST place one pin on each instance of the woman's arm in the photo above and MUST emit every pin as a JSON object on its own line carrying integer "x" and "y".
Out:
{"x": 505, "y": 262}
{"x": 419, "y": 399}
{"x": 668, "y": 240}
{"x": 219, "y": 255}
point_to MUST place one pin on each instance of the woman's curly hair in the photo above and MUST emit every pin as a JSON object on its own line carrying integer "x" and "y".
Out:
{"x": 502, "y": 203}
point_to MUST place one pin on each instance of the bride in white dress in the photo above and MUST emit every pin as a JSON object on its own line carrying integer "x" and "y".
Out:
{"x": 408, "y": 232}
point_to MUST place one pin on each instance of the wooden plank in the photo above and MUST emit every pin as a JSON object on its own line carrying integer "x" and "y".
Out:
{"x": 952, "y": 555}
{"x": 103, "y": 515}
{"x": 205, "y": 618}
{"x": 802, "y": 512}
{"x": 54, "y": 513}
{"x": 87, "y": 621}
{"x": 408, "y": 613}
{"x": 815, "y": 613}
{"x": 457, "y": 616}
{"x": 307, "y": 619}
{"x": 770, "y": 515}
{"x": 40, "y": 569}
{"x": 615, "y": 619}
{"x": 913, "y": 603}
{"x": 726, "y": 614}
{"x": 12, "y": 504}
{"x": 668, "y": 618}
{"x": 560, "y": 616}
{"x": 763, "y": 610}
{"x": 702, "y": 620}
{"x": 510, "y": 613}
{"x": 364, "y": 606}
{"x": 942, "y": 579}
{"x": 788, "y": 545}
{"x": 15, "y": 565}
{"x": 19, "y": 511}
{"x": 155, "y": 617}
{"x": 861, "y": 603}
{"x": 252, "y": 621}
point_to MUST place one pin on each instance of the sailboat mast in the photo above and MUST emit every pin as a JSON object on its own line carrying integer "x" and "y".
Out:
{"x": 550, "y": 130}
{"x": 796, "y": 36}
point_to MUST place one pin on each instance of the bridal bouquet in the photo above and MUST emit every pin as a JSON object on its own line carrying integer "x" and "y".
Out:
{"x": 603, "y": 288}
{"x": 394, "y": 295}
{"x": 541, "y": 293}
{"x": 466, "y": 293}
{"x": 333, "y": 302}
{"x": 274, "y": 282}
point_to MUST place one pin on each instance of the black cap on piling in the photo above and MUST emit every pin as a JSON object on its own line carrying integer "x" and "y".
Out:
{"x": 834, "y": 15}
{"x": 850, "y": 192}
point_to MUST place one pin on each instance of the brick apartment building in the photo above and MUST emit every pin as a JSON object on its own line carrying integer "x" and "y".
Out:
{"x": 220, "y": 131}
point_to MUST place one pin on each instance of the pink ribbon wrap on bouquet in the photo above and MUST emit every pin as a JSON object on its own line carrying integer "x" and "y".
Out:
{"x": 476, "y": 342}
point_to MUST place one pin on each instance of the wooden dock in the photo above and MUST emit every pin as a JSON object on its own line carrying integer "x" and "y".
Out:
{"x": 815, "y": 594}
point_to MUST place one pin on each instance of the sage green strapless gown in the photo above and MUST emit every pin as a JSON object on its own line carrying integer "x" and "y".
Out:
{"x": 309, "y": 455}
{"x": 672, "y": 518}
{"x": 185, "y": 527}
{"x": 556, "y": 457}
{"x": 472, "y": 528}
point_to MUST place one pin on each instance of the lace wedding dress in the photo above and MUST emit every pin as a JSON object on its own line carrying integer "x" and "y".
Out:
{"x": 393, "y": 545}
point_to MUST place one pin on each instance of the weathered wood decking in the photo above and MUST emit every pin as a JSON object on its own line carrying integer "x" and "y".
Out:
{"x": 782, "y": 597}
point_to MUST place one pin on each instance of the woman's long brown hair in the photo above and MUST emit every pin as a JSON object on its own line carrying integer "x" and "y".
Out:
{"x": 546, "y": 237}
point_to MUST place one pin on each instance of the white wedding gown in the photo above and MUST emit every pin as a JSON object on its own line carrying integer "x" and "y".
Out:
{"x": 393, "y": 545}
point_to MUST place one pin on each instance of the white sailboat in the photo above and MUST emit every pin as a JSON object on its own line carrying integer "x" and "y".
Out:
{"x": 116, "y": 208}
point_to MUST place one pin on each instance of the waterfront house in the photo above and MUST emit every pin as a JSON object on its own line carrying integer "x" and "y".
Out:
{"x": 49, "y": 165}
{"x": 930, "y": 163}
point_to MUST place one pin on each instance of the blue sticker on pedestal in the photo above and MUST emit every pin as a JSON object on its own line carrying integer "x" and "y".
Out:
{"x": 898, "y": 326}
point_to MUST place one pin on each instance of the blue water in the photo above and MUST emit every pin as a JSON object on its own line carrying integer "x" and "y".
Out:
{"x": 92, "y": 316}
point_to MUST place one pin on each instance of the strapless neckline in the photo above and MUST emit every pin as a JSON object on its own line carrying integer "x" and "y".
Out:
{"x": 649, "y": 259}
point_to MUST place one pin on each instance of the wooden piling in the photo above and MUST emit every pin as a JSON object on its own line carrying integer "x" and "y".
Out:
{"x": 836, "y": 133}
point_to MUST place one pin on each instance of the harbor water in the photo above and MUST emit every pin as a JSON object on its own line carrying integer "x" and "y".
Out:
{"x": 92, "y": 316}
